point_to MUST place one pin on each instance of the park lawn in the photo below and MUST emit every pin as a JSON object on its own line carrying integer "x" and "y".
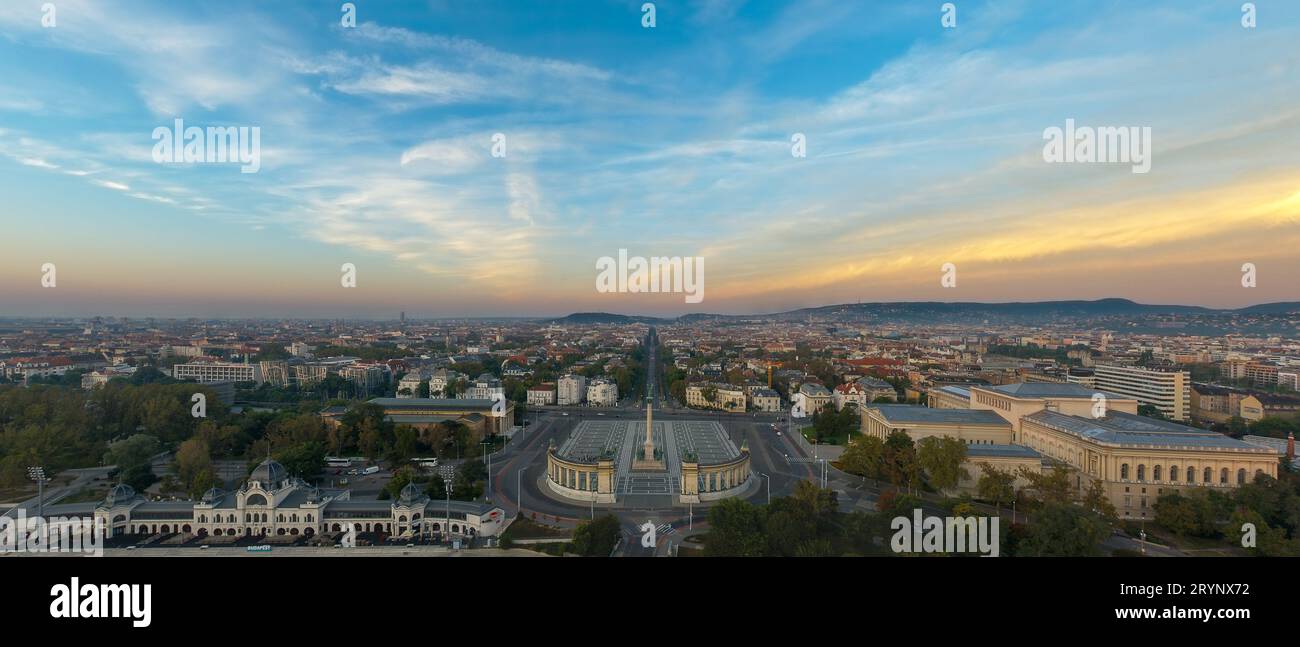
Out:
{"x": 525, "y": 528}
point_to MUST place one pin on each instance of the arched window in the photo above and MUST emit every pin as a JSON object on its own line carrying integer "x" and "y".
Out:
{"x": 1142, "y": 472}
{"x": 255, "y": 499}
{"x": 1191, "y": 474}
{"x": 1208, "y": 476}
{"x": 1223, "y": 476}
{"x": 1155, "y": 473}
{"x": 1241, "y": 477}
{"x": 1173, "y": 473}
{"x": 1123, "y": 471}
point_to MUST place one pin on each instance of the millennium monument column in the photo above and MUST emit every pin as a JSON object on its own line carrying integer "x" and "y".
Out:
{"x": 647, "y": 461}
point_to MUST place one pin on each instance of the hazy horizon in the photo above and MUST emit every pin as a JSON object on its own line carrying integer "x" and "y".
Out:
{"x": 924, "y": 146}
{"x": 415, "y": 316}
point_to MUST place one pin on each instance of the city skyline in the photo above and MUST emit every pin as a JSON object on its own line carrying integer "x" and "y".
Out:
{"x": 924, "y": 147}
{"x": 415, "y": 316}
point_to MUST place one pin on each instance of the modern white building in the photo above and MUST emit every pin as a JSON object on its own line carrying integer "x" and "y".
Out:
{"x": 1169, "y": 391}
{"x": 602, "y": 393}
{"x": 571, "y": 389}
{"x": 208, "y": 372}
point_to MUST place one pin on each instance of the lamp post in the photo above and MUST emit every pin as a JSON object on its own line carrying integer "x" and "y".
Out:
{"x": 446, "y": 528}
{"x": 487, "y": 458}
{"x": 519, "y": 491}
{"x": 38, "y": 474}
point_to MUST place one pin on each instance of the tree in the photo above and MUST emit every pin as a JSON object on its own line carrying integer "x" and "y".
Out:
{"x": 1096, "y": 500}
{"x": 134, "y": 451}
{"x": 900, "y": 465}
{"x": 942, "y": 458}
{"x": 304, "y": 460}
{"x": 1052, "y": 486}
{"x": 735, "y": 530}
{"x": 864, "y": 457}
{"x": 1199, "y": 512}
{"x": 802, "y": 523}
{"x": 996, "y": 486}
{"x": 193, "y": 465}
{"x": 596, "y": 538}
{"x": 1063, "y": 530}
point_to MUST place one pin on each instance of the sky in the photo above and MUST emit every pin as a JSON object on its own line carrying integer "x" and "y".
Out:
{"x": 924, "y": 146}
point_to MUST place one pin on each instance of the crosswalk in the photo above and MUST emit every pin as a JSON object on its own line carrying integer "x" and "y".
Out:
{"x": 647, "y": 485}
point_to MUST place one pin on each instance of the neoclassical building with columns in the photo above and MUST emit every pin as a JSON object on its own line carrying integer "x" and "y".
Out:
{"x": 1137, "y": 459}
{"x": 1096, "y": 433}
{"x": 273, "y": 504}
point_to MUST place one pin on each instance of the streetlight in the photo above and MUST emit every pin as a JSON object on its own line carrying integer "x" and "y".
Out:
{"x": 38, "y": 474}
{"x": 769, "y": 487}
{"x": 487, "y": 458}
{"x": 446, "y": 528}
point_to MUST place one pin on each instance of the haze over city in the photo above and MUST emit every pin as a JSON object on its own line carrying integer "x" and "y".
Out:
{"x": 924, "y": 147}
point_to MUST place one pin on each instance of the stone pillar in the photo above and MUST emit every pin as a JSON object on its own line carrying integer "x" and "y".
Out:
{"x": 649, "y": 431}
{"x": 605, "y": 476}
{"x": 690, "y": 482}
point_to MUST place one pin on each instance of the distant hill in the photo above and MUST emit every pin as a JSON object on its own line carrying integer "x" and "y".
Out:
{"x": 962, "y": 312}
{"x": 606, "y": 318}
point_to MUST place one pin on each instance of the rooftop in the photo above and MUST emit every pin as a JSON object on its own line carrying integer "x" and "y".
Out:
{"x": 1050, "y": 390}
{"x": 1121, "y": 428}
{"x": 913, "y": 414}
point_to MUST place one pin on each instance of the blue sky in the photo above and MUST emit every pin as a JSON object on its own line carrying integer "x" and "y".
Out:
{"x": 924, "y": 147}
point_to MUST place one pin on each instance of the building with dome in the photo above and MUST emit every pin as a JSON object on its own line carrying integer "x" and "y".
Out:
{"x": 271, "y": 503}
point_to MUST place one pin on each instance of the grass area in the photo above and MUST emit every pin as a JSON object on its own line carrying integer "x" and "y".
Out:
{"x": 1159, "y": 535}
{"x": 838, "y": 439}
{"x": 16, "y": 494}
{"x": 86, "y": 495}
{"x": 525, "y": 528}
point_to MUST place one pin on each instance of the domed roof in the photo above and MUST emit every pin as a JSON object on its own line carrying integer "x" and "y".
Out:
{"x": 410, "y": 493}
{"x": 121, "y": 493}
{"x": 269, "y": 473}
{"x": 212, "y": 495}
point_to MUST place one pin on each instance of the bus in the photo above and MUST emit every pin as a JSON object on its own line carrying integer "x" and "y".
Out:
{"x": 425, "y": 463}
{"x": 338, "y": 462}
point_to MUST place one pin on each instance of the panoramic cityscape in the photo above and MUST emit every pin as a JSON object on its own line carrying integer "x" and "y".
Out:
{"x": 779, "y": 280}
{"x": 1158, "y": 429}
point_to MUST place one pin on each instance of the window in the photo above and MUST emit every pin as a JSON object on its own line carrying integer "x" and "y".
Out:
{"x": 1142, "y": 472}
{"x": 1241, "y": 477}
{"x": 1123, "y": 471}
{"x": 1223, "y": 476}
{"x": 1208, "y": 477}
{"x": 1173, "y": 473}
{"x": 1155, "y": 473}
{"x": 1191, "y": 474}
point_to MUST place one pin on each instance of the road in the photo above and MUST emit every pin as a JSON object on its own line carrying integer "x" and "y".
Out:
{"x": 517, "y": 469}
